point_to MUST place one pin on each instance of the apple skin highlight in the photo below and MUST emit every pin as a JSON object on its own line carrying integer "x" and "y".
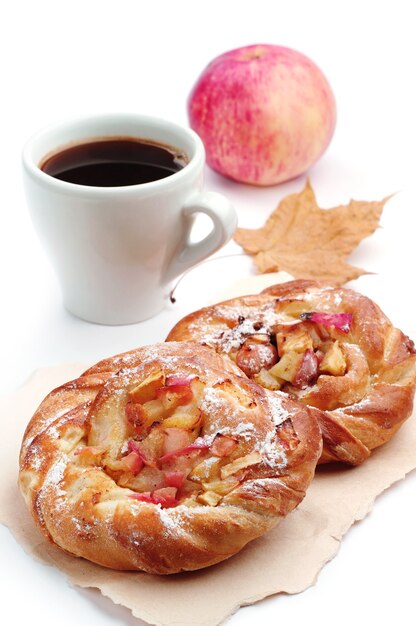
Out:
{"x": 265, "y": 113}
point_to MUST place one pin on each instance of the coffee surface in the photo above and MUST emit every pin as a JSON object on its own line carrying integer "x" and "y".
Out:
{"x": 114, "y": 162}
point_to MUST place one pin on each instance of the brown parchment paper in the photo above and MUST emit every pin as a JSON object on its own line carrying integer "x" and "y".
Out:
{"x": 288, "y": 559}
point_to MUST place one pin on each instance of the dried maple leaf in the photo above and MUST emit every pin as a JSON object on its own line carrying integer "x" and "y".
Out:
{"x": 309, "y": 242}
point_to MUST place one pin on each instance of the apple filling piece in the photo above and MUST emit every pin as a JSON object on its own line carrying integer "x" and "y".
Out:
{"x": 292, "y": 355}
{"x": 166, "y": 460}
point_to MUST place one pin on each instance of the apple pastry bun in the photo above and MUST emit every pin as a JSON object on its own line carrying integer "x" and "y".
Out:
{"x": 164, "y": 460}
{"x": 330, "y": 348}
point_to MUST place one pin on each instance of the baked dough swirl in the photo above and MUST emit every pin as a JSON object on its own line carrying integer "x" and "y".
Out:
{"x": 330, "y": 348}
{"x": 163, "y": 459}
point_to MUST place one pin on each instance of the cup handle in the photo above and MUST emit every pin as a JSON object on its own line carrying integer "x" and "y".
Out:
{"x": 224, "y": 220}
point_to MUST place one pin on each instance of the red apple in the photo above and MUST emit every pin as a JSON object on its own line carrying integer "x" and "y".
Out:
{"x": 253, "y": 356}
{"x": 132, "y": 462}
{"x": 265, "y": 113}
{"x": 175, "y": 395}
{"x": 176, "y": 439}
{"x": 223, "y": 445}
{"x": 174, "y": 380}
{"x": 308, "y": 370}
{"x": 135, "y": 448}
{"x": 174, "y": 479}
{"x": 340, "y": 321}
{"x": 199, "y": 444}
{"x": 166, "y": 497}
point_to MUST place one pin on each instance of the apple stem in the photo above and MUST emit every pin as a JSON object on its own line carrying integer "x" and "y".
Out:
{"x": 217, "y": 258}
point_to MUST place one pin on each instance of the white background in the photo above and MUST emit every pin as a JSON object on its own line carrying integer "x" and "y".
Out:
{"x": 60, "y": 59}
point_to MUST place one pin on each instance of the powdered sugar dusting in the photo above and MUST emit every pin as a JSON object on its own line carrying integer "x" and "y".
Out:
{"x": 233, "y": 338}
{"x": 47, "y": 422}
{"x": 219, "y": 408}
{"x": 53, "y": 432}
{"x": 264, "y": 321}
{"x": 35, "y": 458}
{"x": 244, "y": 429}
{"x": 172, "y": 521}
{"x": 270, "y": 449}
{"x": 52, "y": 483}
{"x": 278, "y": 413}
{"x": 272, "y": 452}
{"x": 215, "y": 404}
{"x": 169, "y": 519}
{"x": 55, "y": 476}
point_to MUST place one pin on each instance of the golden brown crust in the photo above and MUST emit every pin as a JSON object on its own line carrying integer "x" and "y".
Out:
{"x": 262, "y": 447}
{"x": 361, "y": 406}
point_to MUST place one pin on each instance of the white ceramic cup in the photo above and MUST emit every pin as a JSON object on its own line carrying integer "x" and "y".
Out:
{"x": 116, "y": 250}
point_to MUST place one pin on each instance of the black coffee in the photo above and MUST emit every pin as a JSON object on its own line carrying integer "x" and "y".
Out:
{"x": 114, "y": 162}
